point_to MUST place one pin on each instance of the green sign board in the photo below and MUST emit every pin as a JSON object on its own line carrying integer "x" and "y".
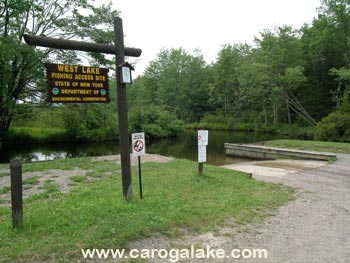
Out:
{"x": 71, "y": 83}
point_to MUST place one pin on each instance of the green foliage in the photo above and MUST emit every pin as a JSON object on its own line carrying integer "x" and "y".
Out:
{"x": 334, "y": 127}
{"x": 93, "y": 122}
{"x": 21, "y": 66}
{"x": 28, "y": 135}
{"x": 177, "y": 81}
{"x": 155, "y": 121}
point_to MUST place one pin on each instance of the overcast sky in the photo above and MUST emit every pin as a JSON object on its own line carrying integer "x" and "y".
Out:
{"x": 204, "y": 24}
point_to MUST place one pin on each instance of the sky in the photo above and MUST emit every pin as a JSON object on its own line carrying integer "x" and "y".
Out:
{"x": 153, "y": 25}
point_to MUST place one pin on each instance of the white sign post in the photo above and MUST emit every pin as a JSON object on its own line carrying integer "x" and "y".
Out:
{"x": 202, "y": 149}
{"x": 138, "y": 149}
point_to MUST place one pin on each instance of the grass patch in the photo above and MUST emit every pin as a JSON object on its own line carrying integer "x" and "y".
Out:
{"x": 31, "y": 181}
{"x": 78, "y": 178}
{"x": 50, "y": 187}
{"x": 4, "y": 190}
{"x": 65, "y": 164}
{"x": 4, "y": 174}
{"x": 95, "y": 215}
{"x": 317, "y": 146}
{"x": 19, "y": 135}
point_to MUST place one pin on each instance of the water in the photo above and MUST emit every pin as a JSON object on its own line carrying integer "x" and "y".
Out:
{"x": 184, "y": 146}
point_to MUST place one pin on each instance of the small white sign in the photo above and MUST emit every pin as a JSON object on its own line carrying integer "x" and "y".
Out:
{"x": 202, "y": 154}
{"x": 203, "y": 137}
{"x": 126, "y": 75}
{"x": 138, "y": 143}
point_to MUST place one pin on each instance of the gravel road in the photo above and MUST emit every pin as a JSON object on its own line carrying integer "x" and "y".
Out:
{"x": 313, "y": 228}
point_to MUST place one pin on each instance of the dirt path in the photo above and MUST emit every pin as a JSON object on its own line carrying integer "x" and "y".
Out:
{"x": 37, "y": 182}
{"x": 313, "y": 228}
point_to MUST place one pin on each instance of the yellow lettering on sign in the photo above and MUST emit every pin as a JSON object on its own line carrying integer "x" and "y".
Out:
{"x": 100, "y": 78}
{"x": 67, "y": 68}
{"x": 85, "y": 84}
{"x": 97, "y": 85}
{"x": 56, "y": 75}
{"x": 76, "y": 91}
{"x": 62, "y": 83}
{"x": 66, "y": 99}
{"x": 90, "y": 70}
{"x": 84, "y": 77}
{"x": 94, "y": 99}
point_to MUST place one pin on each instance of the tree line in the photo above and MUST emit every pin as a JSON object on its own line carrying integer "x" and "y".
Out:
{"x": 286, "y": 76}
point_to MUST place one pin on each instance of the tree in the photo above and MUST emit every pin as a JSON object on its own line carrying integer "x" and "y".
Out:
{"x": 226, "y": 82}
{"x": 341, "y": 94}
{"x": 178, "y": 81}
{"x": 255, "y": 86}
{"x": 326, "y": 46}
{"x": 21, "y": 72}
{"x": 282, "y": 50}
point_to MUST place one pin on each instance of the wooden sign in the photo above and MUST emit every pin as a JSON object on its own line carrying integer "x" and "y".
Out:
{"x": 72, "y": 83}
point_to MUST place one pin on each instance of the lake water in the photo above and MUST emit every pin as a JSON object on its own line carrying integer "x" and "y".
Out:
{"x": 183, "y": 146}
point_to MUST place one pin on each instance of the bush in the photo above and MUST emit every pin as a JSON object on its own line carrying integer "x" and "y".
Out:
{"x": 334, "y": 127}
{"x": 155, "y": 121}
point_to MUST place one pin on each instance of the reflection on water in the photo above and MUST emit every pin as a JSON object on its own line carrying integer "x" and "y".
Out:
{"x": 184, "y": 146}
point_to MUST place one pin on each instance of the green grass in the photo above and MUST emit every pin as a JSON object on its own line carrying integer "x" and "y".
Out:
{"x": 334, "y": 147}
{"x": 19, "y": 135}
{"x": 31, "y": 181}
{"x": 49, "y": 188}
{"x": 63, "y": 164}
{"x": 94, "y": 214}
{"x": 4, "y": 174}
{"x": 78, "y": 178}
{"x": 4, "y": 190}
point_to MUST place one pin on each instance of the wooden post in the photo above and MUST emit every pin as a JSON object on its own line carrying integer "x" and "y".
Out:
{"x": 124, "y": 139}
{"x": 200, "y": 169}
{"x": 16, "y": 193}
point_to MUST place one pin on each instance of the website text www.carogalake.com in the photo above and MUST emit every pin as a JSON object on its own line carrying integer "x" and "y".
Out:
{"x": 174, "y": 255}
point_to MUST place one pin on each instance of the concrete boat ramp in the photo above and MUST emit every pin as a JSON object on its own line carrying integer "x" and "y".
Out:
{"x": 271, "y": 153}
{"x": 270, "y": 163}
{"x": 275, "y": 168}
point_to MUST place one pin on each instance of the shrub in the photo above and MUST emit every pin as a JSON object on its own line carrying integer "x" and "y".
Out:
{"x": 155, "y": 121}
{"x": 334, "y": 127}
